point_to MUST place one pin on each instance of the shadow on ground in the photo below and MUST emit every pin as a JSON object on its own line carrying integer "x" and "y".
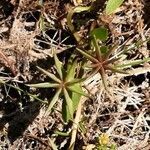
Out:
{"x": 18, "y": 111}
{"x": 146, "y": 15}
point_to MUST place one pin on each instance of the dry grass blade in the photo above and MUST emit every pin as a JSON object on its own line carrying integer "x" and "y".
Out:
{"x": 76, "y": 124}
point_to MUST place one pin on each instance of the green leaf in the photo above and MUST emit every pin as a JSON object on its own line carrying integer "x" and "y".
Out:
{"x": 97, "y": 49}
{"x": 62, "y": 133}
{"x": 44, "y": 85}
{"x": 38, "y": 99}
{"x": 74, "y": 81}
{"x": 53, "y": 101}
{"x": 65, "y": 112}
{"x": 71, "y": 70}
{"x": 52, "y": 76}
{"x": 104, "y": 49}
{"x": 113, "y": 69}
{"x": 112, "y": 5}
{"x": 58, "y": 66}
{"x": 133, "y": 63}
{"x": 100, "y": 33}
{"x": 79, "y": 9}
{"x": 77, "y": 89}
{"x": 88, "y": 56}
{"x": 68, "y": 102}
{"x": 75, "y": 99}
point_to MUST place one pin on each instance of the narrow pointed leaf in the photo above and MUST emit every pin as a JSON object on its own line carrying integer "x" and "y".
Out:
{"x": 69, "y": 102}
{"x": 97, "y": 49}
{"x": 74, "y": 81}
{"x": 58, "y": 66}
{"x": 62, "y": 133}
{"x": 77, "y": 89}
{"x": 117, "y": 70}
{"x": 75, "y": 99}
{"x": 53, "y": 101}
{"x": 65, "y": 112}
{"x": 91, "y": 58}
{"x": 44, "y": 85}
{"x": 71, "y": 70}
{"x": 79, "y": 9}
{"x": 38, "y": 99}
{"x": 133, "y": 63}
{"x": 52, "y": 76}
{"x": 112, "y": 5}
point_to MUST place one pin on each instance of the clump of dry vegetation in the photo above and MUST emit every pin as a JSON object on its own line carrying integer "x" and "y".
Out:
{"x": 74, "y": 74}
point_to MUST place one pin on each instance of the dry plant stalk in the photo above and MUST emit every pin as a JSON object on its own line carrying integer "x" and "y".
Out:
{"x": 76, "y": 124}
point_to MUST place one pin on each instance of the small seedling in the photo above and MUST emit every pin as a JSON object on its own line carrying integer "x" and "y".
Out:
{"x": 103, "y": 58}
{"x": 67, "y": 87}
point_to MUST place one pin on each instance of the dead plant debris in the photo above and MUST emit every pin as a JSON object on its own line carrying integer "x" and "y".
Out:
{"x": 29, "y": 32}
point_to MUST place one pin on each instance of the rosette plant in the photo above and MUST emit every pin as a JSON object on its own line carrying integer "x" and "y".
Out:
{"x": 103, "y": 58}
{"x": 68, "y": 88}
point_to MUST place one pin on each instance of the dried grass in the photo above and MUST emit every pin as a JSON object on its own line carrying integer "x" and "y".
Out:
{"x": 124, "y": 114}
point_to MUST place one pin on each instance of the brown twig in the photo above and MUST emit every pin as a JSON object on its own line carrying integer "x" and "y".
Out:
{"x": 38, "y": 139}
